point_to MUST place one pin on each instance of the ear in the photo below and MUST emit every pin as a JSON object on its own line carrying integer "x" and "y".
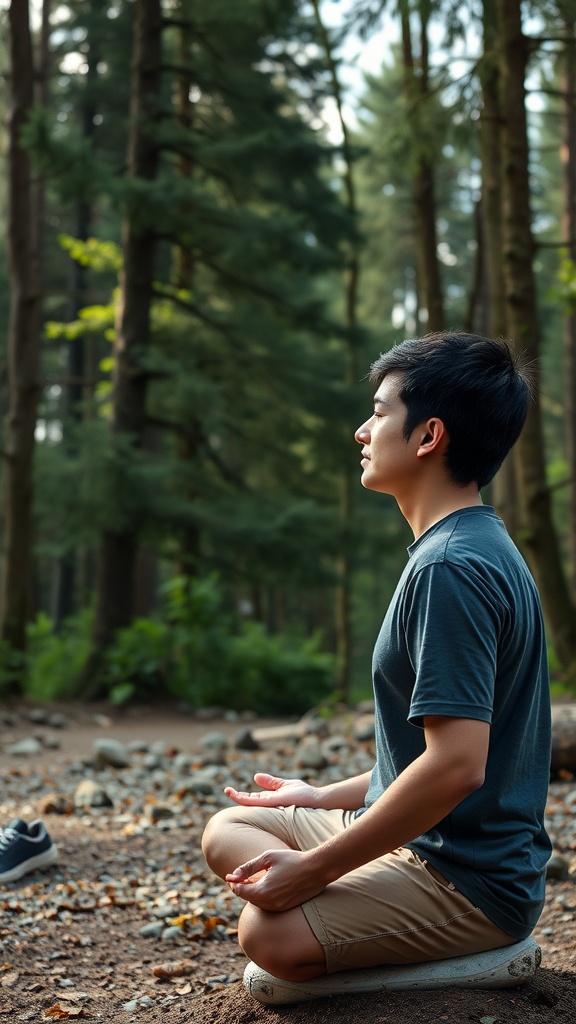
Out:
{"x": 433, "y": 437}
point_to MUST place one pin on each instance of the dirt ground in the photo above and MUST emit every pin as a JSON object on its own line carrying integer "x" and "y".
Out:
{"x": 70, "y": 941}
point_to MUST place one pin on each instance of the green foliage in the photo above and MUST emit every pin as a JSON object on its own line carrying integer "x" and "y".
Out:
{"x": 54, "y": 660}
{"x": 198, "y": 653}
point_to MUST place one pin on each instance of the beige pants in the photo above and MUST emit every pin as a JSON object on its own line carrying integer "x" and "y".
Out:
{"x": 394, "y": 910}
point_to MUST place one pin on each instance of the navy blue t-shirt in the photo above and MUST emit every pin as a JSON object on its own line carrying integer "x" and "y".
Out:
{"x": 464, "y": 637}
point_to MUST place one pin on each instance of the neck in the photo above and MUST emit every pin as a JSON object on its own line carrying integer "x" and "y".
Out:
{"x": 433, "y": 504}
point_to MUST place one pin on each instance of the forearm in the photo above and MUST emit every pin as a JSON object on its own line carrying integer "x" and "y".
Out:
{"x": 418, "y": 799}
{"x": 348, "y": 795}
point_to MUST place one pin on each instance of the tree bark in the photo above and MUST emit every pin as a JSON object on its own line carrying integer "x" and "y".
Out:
{"x": 504, "y": 486}
{"x": 343, "y": 611}
{"x": 416, "y": 84}
{"x": 117, "y": 562}
{"x": 539, "y": 536}
{"x": 65, "y": 569}
{"x": 568, "y": 155}
{"x": 23, "y": 341}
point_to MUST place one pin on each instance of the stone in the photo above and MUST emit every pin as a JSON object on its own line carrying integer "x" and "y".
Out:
{"x": 557, "y": 868}
{"x": 364, "y": 729}
{"x": 152, "y": 930}
{"x": 37, "y": 715}
{"x": 309, "y": 754}
{"x": 91, "y": 794}
{"x": 244, "y": 740}
{"x": 28, "y": 747}
{"x": 57, "y": 720}
{"x": 55, "y": 803}
{"x": 110, "y": 753}
{"x": 563, "y": 738}
{"x": 214, "y": 739}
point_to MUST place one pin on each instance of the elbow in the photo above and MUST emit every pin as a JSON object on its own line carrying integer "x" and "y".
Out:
{"x": 470, "y": 781}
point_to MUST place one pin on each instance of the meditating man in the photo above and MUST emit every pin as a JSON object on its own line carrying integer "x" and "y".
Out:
{"x": 440, "y": 851}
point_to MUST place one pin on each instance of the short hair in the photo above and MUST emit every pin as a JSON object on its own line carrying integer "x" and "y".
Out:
{"x": 477, "y": 386}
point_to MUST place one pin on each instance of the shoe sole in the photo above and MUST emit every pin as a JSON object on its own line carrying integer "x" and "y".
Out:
{"x": 506, "y": 967}
{"x": 38, "y": 863}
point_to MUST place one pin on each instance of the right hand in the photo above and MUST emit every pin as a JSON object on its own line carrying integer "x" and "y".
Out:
{"x": 276, "y": 793}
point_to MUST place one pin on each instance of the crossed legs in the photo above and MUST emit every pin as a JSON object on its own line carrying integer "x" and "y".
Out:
{"x": 282, "y": 944}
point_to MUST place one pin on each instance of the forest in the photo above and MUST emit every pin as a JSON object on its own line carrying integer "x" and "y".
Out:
{"x": 207, "y": 235}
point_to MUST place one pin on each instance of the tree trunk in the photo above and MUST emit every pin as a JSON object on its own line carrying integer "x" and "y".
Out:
{"x": 188, "y": 447}
{"x": 504, "y": 486}
{"x": 348, "y": 479}
{"x": 568, "y": 153}
{"x": 116, "y": 571}
{"x": 76, "y": 393}
{"x": 23, "y": 341}
{"x": 539, "y": 535}
{"x": 416, "y": 84}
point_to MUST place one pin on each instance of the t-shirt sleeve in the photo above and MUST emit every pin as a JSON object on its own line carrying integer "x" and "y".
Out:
{"x": 451, "y": 623}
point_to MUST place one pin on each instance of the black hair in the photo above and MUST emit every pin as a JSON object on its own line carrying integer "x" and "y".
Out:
{"x": 477, "y": 386}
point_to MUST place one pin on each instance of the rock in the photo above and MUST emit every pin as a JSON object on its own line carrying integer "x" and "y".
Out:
{"x": 172, "y": 933}
{"x": 91, "y": 794}
{"x": 37, "y": 715}
{"x": 102, "y": 720}
{"x": 335, "y": 745}
{"x": 213, "y": 756}
{"x": 309, "y": 754}
{"x": 244, "y": 740}
{"x": 50, "y": 742}
{"x": 55, "y": 803}
{"x": 57, "y": 720}
{"x": 557, "y": 868}
{"x": 182, "y": 763}
{"x": 110, "y": 753}
{"x": 364, "y": 707}
{"x": 159, "y": 812}
{"x": 151, "y": 762}
{"x": 28, "y": 747}
{"x": 316, "y": 727}
{"x": 138, "y": 747}
{"x": 364, "y": 728}
{"x": 214, "y": 739}
{"x": 152, "y": 930}
{"x": 563, "y": 738}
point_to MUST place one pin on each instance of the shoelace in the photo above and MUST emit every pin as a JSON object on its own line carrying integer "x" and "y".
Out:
{"x": 7, "y": 836}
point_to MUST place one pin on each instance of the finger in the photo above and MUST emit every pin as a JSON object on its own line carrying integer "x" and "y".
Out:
{"x": 248, "y": 798}
{"x": 268, "y": 781}
{"x": 245, "y": 871}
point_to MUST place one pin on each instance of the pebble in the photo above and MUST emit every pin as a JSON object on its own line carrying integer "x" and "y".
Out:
{"x": 110, "y": 753}
{"x": 28, "y": 747}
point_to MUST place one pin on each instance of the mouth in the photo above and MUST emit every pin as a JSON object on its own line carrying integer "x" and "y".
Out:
{"x": 365, "y": 456}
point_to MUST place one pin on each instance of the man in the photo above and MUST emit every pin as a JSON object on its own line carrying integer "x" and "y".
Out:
{"x": 441, "y": 850}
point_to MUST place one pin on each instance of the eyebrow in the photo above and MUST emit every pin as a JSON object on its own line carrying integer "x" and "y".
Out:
{"x": 380, "y": 401}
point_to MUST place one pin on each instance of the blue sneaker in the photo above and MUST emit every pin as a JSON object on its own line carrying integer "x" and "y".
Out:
{"x": 24, "y": 848}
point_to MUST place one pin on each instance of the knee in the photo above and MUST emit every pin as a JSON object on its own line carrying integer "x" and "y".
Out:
{"x": 274, "y": 943}
{"x": 216, "y": 839}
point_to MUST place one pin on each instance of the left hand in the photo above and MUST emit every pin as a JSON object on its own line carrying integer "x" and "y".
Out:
{"x": 276, "y": 880}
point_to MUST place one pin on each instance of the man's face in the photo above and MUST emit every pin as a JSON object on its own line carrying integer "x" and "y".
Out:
{"x": 389, "y": 461}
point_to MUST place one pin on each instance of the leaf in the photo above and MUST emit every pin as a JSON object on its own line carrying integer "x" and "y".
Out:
{"x": 173, "y": 969}
{"x": 488, "y": 1020}
{"x": 59, "y": 1012}
{"x": 9, "y": 979}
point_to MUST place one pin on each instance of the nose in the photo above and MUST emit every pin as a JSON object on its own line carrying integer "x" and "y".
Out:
{"x": 362, "y": 435}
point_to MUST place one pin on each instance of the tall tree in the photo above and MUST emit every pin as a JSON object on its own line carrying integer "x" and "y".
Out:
{"x": 115, "y": 588}
{"x": 539, "y": 535}
{"x": 504, "y": 490}
{"x": 417, "y": 86}
{"x": 23, "y": 342}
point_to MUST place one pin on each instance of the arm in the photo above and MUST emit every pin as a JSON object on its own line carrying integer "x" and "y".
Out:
{"x": 451, "y": 767}
{"x": 348, "y": 795}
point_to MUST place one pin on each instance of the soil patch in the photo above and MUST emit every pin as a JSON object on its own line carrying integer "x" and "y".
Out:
{"x": 71, "y": 946}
